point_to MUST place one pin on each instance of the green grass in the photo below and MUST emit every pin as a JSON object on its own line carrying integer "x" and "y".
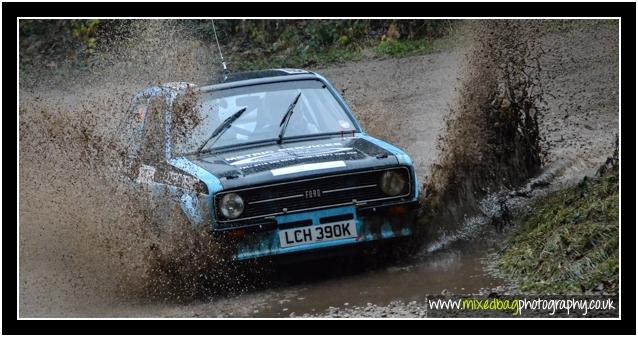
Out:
{"x": 403, "y": 48}
{"x": 568, "y": 242}
{"x": 306, "y": 57}
{"x": 298, "y": 59}
{"x": 249, "y": 44}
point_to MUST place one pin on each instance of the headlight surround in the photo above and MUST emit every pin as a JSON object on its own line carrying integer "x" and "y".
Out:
{"x": 392, "y": 183}
{"x": 231, "y": 205}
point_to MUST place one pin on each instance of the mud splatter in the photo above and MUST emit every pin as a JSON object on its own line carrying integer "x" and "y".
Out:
{"x": 86, "y": 238}
{"x": 492, "y": 139}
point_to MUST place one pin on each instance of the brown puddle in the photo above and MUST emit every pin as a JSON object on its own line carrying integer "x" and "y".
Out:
{"x": 456, "y": 269}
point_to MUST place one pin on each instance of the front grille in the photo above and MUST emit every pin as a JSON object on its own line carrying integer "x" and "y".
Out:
{"x": 342, "y": 189}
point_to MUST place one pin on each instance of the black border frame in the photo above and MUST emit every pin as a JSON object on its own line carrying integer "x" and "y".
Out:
{"x": 627, "y": 12}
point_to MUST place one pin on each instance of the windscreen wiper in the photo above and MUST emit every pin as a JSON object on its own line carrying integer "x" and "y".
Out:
{"x": 284, "y": 122}
{"x": 219, "y": 131}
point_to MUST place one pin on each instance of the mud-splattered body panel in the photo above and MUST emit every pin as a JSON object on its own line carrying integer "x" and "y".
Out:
{"x": 304, "y": 194}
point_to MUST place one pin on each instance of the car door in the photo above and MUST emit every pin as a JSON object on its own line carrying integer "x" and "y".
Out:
{"x": 172, "y": 196}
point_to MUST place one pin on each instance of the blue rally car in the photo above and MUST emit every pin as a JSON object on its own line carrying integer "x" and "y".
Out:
{"x": 272, "y": 161}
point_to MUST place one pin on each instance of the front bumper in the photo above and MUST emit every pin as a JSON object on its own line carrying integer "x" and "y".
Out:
{"x": 373, "y": 223}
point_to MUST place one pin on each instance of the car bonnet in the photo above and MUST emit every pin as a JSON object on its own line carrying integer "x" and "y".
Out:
{"x": 294, "y": 160}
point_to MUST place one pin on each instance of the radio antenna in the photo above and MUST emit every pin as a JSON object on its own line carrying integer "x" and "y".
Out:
{"x": 221, "y": 56}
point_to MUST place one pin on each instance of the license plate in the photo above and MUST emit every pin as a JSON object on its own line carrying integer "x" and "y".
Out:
{"x": 320, "y": 233}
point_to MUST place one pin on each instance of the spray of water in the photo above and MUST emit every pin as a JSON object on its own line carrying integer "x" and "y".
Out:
{"x": 492, "y": 135}
{"x": 84, "y": 233}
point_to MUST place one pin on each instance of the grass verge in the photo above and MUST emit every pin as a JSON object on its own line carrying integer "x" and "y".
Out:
{"x": 567, "y": 243}
{"x": 305, "y": 57}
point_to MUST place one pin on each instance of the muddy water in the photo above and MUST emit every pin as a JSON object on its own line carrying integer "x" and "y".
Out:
{"x": 456, "y": 269}
{"x": 312, "y": 287}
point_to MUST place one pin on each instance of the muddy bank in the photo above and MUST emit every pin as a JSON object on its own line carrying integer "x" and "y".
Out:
{"x": 567, "y": 242}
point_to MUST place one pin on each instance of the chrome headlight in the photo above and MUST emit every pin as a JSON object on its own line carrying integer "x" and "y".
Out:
{"x": 231, "y": 206}
{"x": 392, "y": 183}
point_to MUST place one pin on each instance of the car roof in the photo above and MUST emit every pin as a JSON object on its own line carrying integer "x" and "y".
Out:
{"x": 258, "y": 74}
{"x": 249, "y": 75}
{"x": 259, "y": 77}
{"x": 237, "y": 79}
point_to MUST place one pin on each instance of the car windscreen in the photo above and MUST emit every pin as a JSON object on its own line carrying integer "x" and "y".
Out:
{"x": 316, "y": 112}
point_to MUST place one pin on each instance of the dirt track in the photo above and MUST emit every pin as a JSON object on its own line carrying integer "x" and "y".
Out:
{"x": 404, "y": 100}
{"x": 401, "y": 100}
{"x": 580, "y": 128}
